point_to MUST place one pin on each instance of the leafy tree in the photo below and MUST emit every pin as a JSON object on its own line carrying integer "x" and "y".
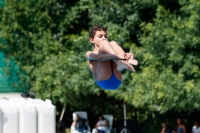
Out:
{"x": 36, "y": 41}
{"x": 49, "y": 38}
{"x": 169, "y": 66}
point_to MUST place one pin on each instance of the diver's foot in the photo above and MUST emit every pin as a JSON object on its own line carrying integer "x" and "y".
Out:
{"x": 132, "y": 62}
{"x": 124, "y": 65}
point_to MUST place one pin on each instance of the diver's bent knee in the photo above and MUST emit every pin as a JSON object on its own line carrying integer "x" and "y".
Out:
{"x": 104, "y": 44}
{"x": 113, "y": 43}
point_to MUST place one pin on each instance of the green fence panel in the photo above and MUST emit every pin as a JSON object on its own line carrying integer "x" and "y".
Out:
{"x": 2, "y": 3}
{"x": 9, "y": 82}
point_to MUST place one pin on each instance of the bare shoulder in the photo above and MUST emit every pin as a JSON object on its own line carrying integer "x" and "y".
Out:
{"x": 91, "y": 56}
{"x": 87, "y": 54}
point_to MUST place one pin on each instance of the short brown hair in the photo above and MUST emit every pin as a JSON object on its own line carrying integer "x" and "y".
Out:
{"x": 96, "y": 28}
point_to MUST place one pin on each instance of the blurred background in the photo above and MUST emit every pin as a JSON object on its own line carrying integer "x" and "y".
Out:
{"x": 42, "y": 52}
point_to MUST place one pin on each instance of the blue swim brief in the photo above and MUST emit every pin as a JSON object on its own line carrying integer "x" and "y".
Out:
{"x": 110, "y": 84}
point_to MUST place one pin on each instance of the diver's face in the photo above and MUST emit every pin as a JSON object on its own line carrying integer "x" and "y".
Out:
{"x": 98, "y": 38}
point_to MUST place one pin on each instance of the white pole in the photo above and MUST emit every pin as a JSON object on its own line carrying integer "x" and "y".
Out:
{"x": 125, "y": 130}
{"x": 125, "y": 115}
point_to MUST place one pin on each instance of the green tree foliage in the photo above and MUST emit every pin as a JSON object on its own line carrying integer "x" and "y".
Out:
{"x": 174, "y": 49}
{"x": 166, "y": 44}
{"x": 49, "y": 38}
{"x": 39, "y": 36}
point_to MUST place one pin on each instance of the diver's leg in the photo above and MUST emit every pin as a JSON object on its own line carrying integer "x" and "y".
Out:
{"x": 105, "y": 47}
{"x": 118, "y": 50}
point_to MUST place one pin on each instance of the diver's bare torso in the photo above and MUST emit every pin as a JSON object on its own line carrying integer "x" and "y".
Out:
{"x": 100, "y": 69}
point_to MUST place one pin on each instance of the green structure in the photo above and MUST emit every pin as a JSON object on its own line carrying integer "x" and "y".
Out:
{"x": 2, "y": 3}
{"x": 9, "y": 81}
